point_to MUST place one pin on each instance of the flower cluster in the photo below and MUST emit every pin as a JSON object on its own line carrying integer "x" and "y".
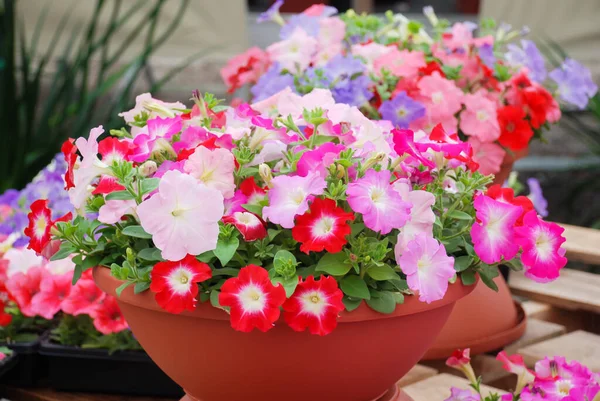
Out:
{"x": 554, "y": 379}
{"x": 42, "y": 288}
{"x": 476, "y": 81}
{"x": 295, "y": 205}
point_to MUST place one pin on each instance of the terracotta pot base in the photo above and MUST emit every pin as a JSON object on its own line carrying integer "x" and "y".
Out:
{"x": 393, "y": 394}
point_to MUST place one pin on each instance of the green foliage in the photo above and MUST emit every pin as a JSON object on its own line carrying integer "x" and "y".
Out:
{"x": 22, "y": 329}
{"x": 35, "y": 117}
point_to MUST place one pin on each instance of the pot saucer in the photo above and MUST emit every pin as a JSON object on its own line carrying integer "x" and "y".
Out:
{"x": 393, "y": 394}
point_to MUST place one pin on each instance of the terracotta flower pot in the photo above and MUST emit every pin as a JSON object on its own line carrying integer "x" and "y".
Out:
{"x": 507, "y": 165}
{"x": 484, "y": 321}
{"x": 360, "y": 361}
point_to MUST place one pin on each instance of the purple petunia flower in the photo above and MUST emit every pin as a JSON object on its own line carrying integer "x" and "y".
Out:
{"x": 272, "y": 13}
{"x": 574, "y": 82}
{"x": 309, "y": 23}
{"x": 486, "y": 53}
{"x": 353, "y": 92}
{"x": 344, "y": 67}
{"x": 271, "y": 83}
{"x": 402, "y": 110}
{"x": 528, "y": 56}
{"x": 537, "y": 197}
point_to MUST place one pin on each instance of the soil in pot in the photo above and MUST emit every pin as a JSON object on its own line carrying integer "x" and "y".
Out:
{"x": 30, "y": 366}
{"x": 359, "y": 361}
{"x": 484, "y": 321}
{"x": 98, "y": 371}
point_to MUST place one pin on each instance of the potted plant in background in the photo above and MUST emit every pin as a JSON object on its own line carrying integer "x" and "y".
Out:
{"x": 7, "y": 360}
{"x": 480, "y": 82}
{"x": 345, "y": 240}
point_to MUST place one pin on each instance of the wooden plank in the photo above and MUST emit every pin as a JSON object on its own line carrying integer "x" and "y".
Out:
{"x": 437, "y": 388}
{"x": 583, "y": 244}
{"x": 362, "y": 6}
{"x": 536, "y": 331}
{"x": 578, "y": 345}
{"x": 573, "y": 290}
{"x": 536, "y": 309}
{"x": 34, "y": 394}
{"x": 417, "y": 373}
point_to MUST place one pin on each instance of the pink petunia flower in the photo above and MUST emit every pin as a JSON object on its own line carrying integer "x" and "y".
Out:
{"x": 108, "y": 318}
{"x": 178, "y": 222}
{"x": 401, "y": 63}
{"x": 493, "y": 234}
{"x": 370, "y": 52}
{"x": 456, "y": 394}
{"x": 427, "y": 267}
{"x": 113, "y": 210}
{"x": 289, "y": 196}
{"x": 543, "y": 255}
{"x": 152, "y": 137}
{"x": 421, "y": 217}
{"x": 479, "y": 119}
{"x": 489, "y": 156}
{"x": 214, "y": 168}
{"x": 84, "y": 298}
{"x": 295, "y": 52}
{"x": 54, "y": 289}
{"x": 445, "y": 97}
{"x": 381, "y": 206}
{"x": 155, "y": 107}
{"x": 23, "y": 287}
{"x": 516, "y": 365}
{"x": 21, "y": 260}
{"x": 318, "y": 159}
{"x": 331, "y": 31}
{"x": 245, "y": 68}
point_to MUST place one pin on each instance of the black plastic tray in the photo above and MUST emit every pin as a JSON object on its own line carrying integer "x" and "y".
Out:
{"x": 97, "y": 371}
{"x": 30, "y": 366}
{"x": 7, "y": 364}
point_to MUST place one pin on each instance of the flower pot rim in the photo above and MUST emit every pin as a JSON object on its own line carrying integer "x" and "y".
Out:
{"x": 411, "y": 304}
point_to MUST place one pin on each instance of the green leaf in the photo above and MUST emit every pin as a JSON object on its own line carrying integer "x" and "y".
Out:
{"x": 256, "y": 209}
{"x": 150, "y": 254}
{"x": 462, "y": 263}
{"x": 384, "y": 303}
{"x": 66, "y": 249}
{"x": 120, "y": 289}
{"x": 468, "y": 277}
{"x": 356, "y": 228}
{"x": 289, "y": 284}
{"x": 399, "y": 284}
{"x": 382, "y": 273}
{"x": 458, "y": 215}
{"x": 214, "y": 300}
{"x": 515, "y": 264}
{"x": 226, "y": 249}
{"x": 77, "y": 272}
{"x": 119, "y": 195}
{"x": 398, "y": 297}
{"x": 335, "y": 264}
{"x": 206, "y": 257}
{"x": 136, "y": 232}
{"x": 226, "y": 271}
{"x": 141, "y": 287}
{"x": 272, "y": 233}
{"x": 91, "y": 261}
{"x": 284, "y": 260}
{"x": 354, "y": 286}
{"x": 351, "y": 303}
{"x": 487, "y": 274}
{"x": 148, "y": 185}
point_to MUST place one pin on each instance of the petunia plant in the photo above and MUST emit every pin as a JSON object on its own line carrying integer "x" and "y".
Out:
{"x": 488, "y": 83}
{"x": 296, "y": 206}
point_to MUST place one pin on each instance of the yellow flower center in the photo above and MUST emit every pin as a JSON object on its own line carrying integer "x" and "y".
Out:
{"x": 315, "y": 299}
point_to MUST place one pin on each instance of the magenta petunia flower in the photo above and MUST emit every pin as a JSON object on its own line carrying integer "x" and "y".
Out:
{"x": 373, "y": 196}
{"x": 542, "y": 256}
{"x": 457, "y": 394}
{"x": 289, "y": 196}
{"x": 427, "y": 267}
{"x": 494, "y": 234}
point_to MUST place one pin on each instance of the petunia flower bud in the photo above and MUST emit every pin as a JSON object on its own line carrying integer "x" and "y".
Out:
{"x": 148, "y": 168}
{"x": 265, "y": 173}
{"x": 461, "y": 360}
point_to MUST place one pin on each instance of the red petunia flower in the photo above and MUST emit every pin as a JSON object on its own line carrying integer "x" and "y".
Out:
{"x": 175, "y": 283}
{"x": 323, "y": 227}
{"x": 253, "y": 300}
{"x": 540, "y": 104}
{"x": 515, "y": 131}
{"x": 69, "y": 150}
{"x": 249, "y": 225}
{"x": 507, "y": 195}
{"x": 84, "y": 298}
{"x": 253, "y": 192}
{"x": 5, "y": 318}
{"x": 54, "y": 289}
{"x": 22, "y": 288}
{"x": 112, "y": 149}
{"x": 459, "y": 358}
{"x": 106, "y": 185}
{"x": 315, "y": 305}
{"x": 108, "y": 318}
{"x": 40, "y": 224}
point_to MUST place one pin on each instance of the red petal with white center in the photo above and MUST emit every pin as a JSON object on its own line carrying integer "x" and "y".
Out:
{"x": 254, "y": 193}
{"x": 323, "y": 227}
{"x": 253, "y": 300}
{"x": 40, "y": 223}
{"x": 107, "y": 185}
{"x": 113, "y": 149}
{"x": 315, "y": 305}
{"x": 69, "y": 150}
{"x": 175, "y": 283}
{"x": 249, "y": 225}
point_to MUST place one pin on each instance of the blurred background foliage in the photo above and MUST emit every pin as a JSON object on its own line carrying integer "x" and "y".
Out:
{"x": 47, "y": 97}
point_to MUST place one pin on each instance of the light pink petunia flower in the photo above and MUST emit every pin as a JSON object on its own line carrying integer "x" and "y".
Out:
{"x": 295, "y": 52}
{"x": 489, "y": 156}
{"x": 445, "y": 96}
{"x": 421, "y": 215}
{"x": 542, "y": 256}
{"x": 183, "y": 216}
{"x": 401, "y": 63}
{"x": 214, "y": 168}
{"x": 479, "y": 119}
{"x": 113, "y": 210}
{"x": 289, "y": 196}
{"x": 427, "y": 267}
{"x": 493, "y": 234}
{"x": 373, "y": 196}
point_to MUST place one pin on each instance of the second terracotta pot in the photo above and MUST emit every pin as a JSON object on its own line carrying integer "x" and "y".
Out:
{"x": 484, "y": 321}
{"x": 361, "y": 360}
